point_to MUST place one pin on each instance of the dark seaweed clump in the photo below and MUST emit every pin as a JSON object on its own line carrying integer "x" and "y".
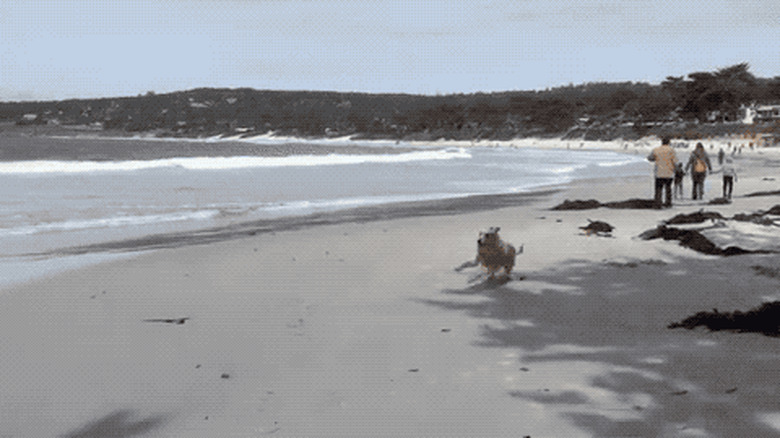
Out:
{"x": 760, "y": 216}
{"x": 695, "y": 240}
{"x": 766, "y": 193}
{"x": 694, "y": 218}
{"x": 634, "y": 203}
{"x": 764, "y": 319}
{"x": 578, "y": 204}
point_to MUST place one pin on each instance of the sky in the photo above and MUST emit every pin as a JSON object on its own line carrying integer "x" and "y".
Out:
{"x": 51, "y": 49}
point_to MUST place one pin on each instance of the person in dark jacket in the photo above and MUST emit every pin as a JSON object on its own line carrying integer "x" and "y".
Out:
{"x": 679, "y": 173}
{"x": 699, "y": 164}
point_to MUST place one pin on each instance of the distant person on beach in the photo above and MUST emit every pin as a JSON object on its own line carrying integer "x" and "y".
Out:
{"x": 679, "y": 173}
{"x": 729, "y": 177}
{"x": 721, "y": 155}
{"x": 665, "y": 160}
{"x": 699, "y": 163}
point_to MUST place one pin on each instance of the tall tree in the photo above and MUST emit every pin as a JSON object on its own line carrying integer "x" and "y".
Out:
{"x": 736, "y": 85}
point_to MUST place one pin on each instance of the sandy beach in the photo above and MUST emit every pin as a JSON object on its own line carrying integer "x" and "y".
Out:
{"x": 361, "y": 326}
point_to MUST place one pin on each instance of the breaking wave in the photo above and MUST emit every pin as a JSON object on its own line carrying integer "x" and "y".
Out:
{"x": 224, "y": 163}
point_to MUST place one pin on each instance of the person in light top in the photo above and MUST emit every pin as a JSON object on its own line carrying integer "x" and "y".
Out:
{"x": 729, "y": 177}
{"x": 665, "y": 160}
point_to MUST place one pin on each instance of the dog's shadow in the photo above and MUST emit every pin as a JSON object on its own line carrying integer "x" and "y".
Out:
{"x": 486, "y": 281}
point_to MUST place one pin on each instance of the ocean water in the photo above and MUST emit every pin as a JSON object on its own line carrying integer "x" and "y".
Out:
{"x": 47, "y": 203}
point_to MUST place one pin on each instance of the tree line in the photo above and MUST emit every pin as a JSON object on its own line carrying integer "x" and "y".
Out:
{"x": 596, "y": 109}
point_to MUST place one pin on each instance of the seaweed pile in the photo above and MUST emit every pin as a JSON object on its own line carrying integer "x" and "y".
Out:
{"x": 694, "y": 239}
{"x": 764, "y": 319}
{"x": 765, "y": 193}
{"x": 634, "y": 203}
{"x": 720, "y": 201}
{"x": 694, "y": 218}
{"x": 759, "y": 217}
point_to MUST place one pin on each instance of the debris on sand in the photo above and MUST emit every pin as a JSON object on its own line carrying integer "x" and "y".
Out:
{"x": 766, "y": 271}
{"x": 720, "y": 201}
{"x": 764, "y": 319}
{"x": 634, "y": 264}
{"x": 178, "y": 321}
{"x": 634, "y": 203}
{"x": 694, "y": 218}
{"x": 598, "y": 228}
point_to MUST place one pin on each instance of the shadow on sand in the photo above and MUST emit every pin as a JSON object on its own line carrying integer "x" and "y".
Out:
{"x": 612, "y": 317}
{"x": 118, "y": 424}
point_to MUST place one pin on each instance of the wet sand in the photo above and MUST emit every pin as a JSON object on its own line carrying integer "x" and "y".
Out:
{"x": 362, "y": 327}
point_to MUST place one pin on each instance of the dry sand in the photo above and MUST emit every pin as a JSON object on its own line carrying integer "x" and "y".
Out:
{"x": 365, "y": 329}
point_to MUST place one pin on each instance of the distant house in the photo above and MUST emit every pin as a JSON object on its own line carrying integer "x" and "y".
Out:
{"x": 759, "y": 113}
{"x": 196, "y": 104}
{"x": 30, "y": 119}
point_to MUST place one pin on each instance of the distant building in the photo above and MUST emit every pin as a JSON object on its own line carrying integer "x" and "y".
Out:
{"x": 30, "y": 119}
{"x": 759, "y": 113}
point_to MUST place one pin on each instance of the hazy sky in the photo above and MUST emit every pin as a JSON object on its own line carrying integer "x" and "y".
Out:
{"x": 88, "y": 48}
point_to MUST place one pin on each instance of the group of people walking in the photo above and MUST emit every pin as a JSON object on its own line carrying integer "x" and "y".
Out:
{"x": 668, "y": 170}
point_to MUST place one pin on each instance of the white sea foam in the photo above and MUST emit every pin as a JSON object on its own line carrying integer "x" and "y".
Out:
{"x": 618, "y": 163}
{"x": 568, "y": 169}
{"x": 268, "y": 138}
{"x": 223, "y": 163}
{"x": 108, "y": 222}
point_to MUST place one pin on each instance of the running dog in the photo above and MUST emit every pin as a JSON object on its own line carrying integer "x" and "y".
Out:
{"x": 494, "y": 254}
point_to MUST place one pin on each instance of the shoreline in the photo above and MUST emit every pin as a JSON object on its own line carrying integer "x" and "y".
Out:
{"x": 358, "y": 144}
{"x": 382, "y": 212}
